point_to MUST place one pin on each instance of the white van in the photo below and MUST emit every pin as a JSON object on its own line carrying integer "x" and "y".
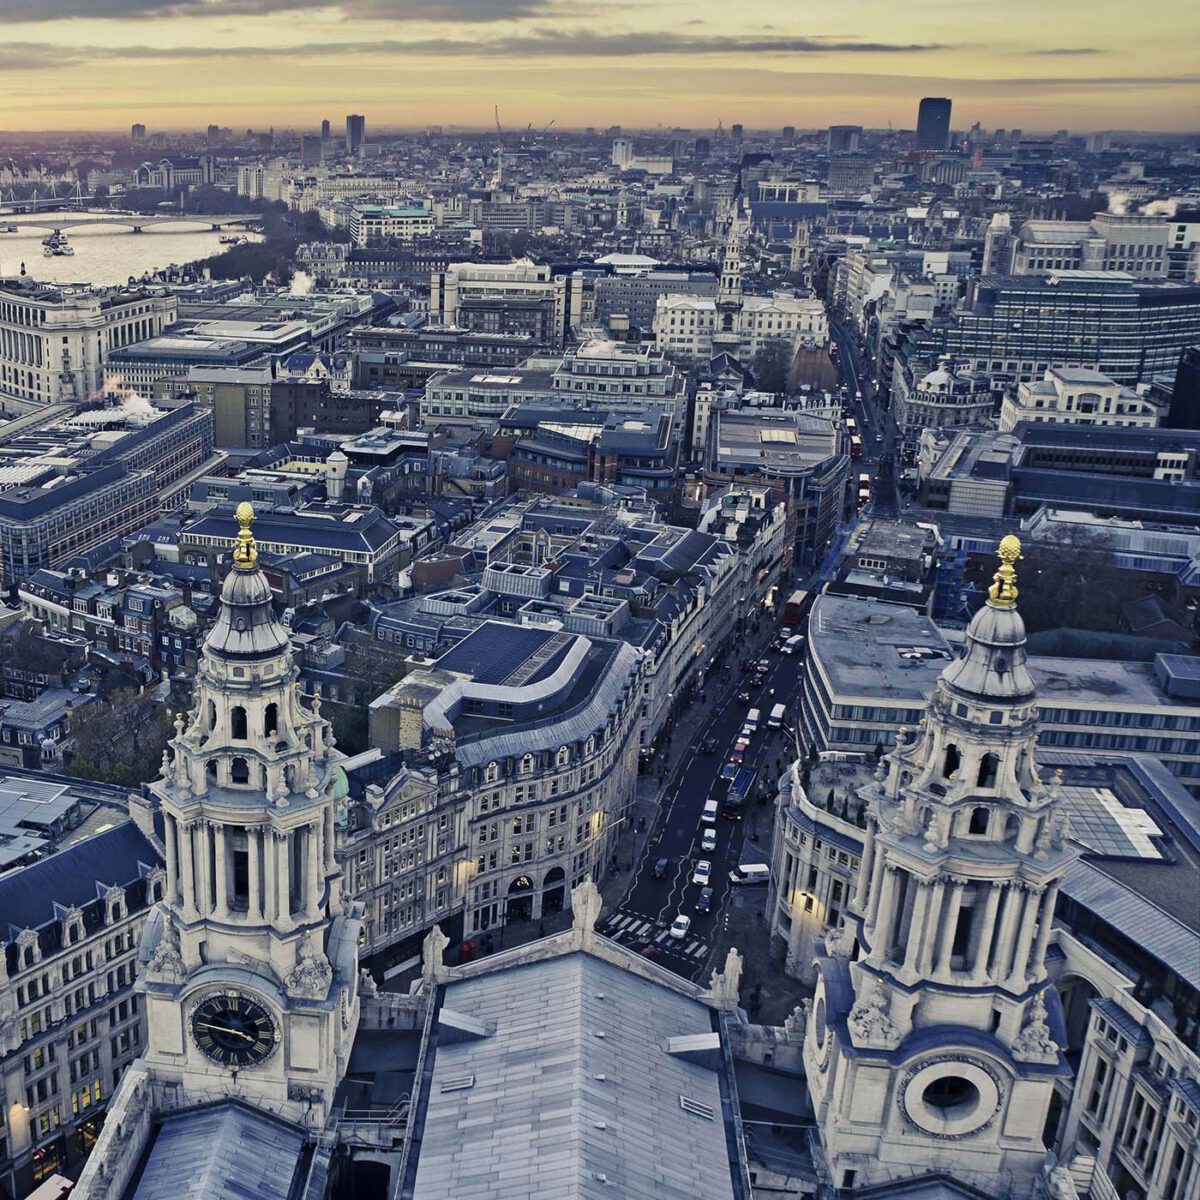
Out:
{"x": 793, "y": 644}
{"x": 775, "y": 720}
{"x": 750, "y": 873}
{"x": 752, "y": 718}
{"x": 709, "y": 815}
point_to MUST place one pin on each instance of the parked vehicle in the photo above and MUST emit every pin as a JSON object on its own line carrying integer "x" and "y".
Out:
{"x": 748, "y": 873}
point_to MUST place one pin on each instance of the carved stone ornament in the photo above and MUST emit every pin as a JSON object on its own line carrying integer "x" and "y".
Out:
{"x": 433, "y": 950}
{"x": 726, "y": 985}
{"x": 1034, "y": 1043}
{"x": 869, "y": 1023}
{"x": 311, "y": 976}
{"x": 839, "y": 942}
{"x": 166, "y": 965}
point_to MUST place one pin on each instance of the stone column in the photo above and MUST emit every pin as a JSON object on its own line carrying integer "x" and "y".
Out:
{"x": 270, "y": 874}
{"x": 987, "y": 932}
{"x": 885, "y": 914}
{"x": 875, "y": 895}
{"x": 254, "y": 898}
{"x": 1024, "y": 937}
{"x": 172, "y": 842}
{"x": 283, "y": 903}
{"x": 312, "y": 871}
{"x": 330, "y": 838}
{"x": 203, "y": 874}
{"x": 945, "y": 949}
{"x": 866, "y": 870}
{"x": 1002, "y": 951}
{"x": 1045, "y": 928}
{"x": 930, "y": 932}
{"x": 221, "y": 881}
{"x": 191, "y": 908}
{"x": 916, "y": 927}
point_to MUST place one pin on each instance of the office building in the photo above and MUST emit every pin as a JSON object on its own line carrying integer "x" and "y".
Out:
{"x": 356, "y": 132}
{"x": 800, "y": 457}
{"x": 373, "y": 225}
{"x": 873, "y": 664}
{"x": 72, "y": 1021}
{"x": 56, "y": 338}
{"x": 137, "y": 132}
{"x": 1184, "y": 411}
{"x": 844, "y": 139}
{"x": 1015, "y": 327}
{"x": 630, "y": 298}
{"x": 851, "y": 175}
{"x": 311, "y": 150}
{"x": 112, "y": 475}
{"x": 939, "y": 399}
{"x": 325, "y": 130}
{"x": 933, "y": 123}
{"x": 1134, "y": 244}
{"x": 1077, "y": 396}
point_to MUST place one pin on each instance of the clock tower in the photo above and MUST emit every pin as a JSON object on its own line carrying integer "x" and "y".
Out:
{"x": 251, "y": 967}
{"x": 934, "y": 1038}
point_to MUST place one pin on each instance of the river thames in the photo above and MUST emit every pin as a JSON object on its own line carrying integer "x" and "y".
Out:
{"x": 107, "y": 254}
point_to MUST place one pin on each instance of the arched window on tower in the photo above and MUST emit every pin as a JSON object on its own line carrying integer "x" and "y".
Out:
{"x": 239, "y": 771}
{"x": 953, "y": 760}
{"x": 989, "y": 768}
{"x": 212, "y": 716}
{"x": 271, "y": 720}
{"x": 237, "y": 723}
{"x": 1012, "y": 826}
{"x": 979, "y": 820}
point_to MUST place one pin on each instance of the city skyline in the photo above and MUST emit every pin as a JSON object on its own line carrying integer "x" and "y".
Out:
{"x": 178, "y": 64}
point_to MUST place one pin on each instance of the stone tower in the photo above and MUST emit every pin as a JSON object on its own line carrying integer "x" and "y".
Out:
{"x": 251, "y": 978}
{"x": 727, "y": 333}
{"x": 933, "y": 1038}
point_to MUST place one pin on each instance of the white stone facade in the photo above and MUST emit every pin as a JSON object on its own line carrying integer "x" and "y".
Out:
{"x": 1077, "y": 396}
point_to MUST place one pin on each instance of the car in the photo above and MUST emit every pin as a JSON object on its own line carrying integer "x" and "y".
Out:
{"x": 764, "y": 665}
{"x": 708, "y": 840}
{"x": 680, "y": 926}
{"x": 703, "y": 872}
{"x": 746, "y": 734}
{"x": 660, "y": 868}
{"x": 729, "y": 770}
{"x": 737, "y": 755}
{"x": 708, "y": 746}
{"x": 704, "y": 900}
{"x": 786, "y": 632}
{"x": 745, "y": 698}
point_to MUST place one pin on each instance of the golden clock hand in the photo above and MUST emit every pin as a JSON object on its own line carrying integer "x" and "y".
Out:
{"x": 226, "y": 1029}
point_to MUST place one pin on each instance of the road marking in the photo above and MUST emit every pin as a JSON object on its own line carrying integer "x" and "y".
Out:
{"x": 620, "y": 921}
{"x": 692, "y": 947}
{"x": 665, "y": 933}
{"x": 700, "y": 948}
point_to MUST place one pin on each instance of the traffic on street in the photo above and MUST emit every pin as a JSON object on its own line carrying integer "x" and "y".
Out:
{"x": 694, "y": 825}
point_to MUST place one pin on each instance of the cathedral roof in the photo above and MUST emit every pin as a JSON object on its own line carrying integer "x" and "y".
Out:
{"x": 246, "y": 626}
{"x": 992, "y": 666}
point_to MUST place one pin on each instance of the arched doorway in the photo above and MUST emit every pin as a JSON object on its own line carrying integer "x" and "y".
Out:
{"x": 554, "y": 890}
{"x": 520, "y": 900}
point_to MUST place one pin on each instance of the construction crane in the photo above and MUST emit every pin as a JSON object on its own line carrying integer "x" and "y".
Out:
{"x": 498, "y": 178}
{"x": 547, "y": 129}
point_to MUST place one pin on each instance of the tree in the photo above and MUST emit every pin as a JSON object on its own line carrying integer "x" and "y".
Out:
{"x": 772, "y": 366}
{"x": 1072, "y": 581}
{"x": 120, "y": 738}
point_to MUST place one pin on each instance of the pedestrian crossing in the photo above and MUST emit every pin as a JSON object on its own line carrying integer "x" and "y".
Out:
{"x": 633, "y": 927}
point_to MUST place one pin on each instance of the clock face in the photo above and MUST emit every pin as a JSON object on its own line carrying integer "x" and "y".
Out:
{"x": 234, "y": 1030}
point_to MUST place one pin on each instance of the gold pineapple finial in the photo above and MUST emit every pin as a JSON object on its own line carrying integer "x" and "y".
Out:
{"x": 1003, "y": 592}
{"x": 245, "y": 551}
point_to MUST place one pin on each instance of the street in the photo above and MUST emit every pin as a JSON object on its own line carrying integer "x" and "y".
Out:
{"x": 650, "y": 905}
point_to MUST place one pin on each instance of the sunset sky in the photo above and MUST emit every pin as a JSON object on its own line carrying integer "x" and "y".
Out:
{"x": 1037, "y": 64}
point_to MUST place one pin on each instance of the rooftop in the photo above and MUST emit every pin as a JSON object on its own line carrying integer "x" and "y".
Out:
{"x": 575, "y": 1088}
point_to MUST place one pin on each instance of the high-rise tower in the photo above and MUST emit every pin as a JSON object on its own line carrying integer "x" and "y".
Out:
{"x": 935, "y": 1046}
{"x": 933, "y": 123}
{"x": 251, "y": 983}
